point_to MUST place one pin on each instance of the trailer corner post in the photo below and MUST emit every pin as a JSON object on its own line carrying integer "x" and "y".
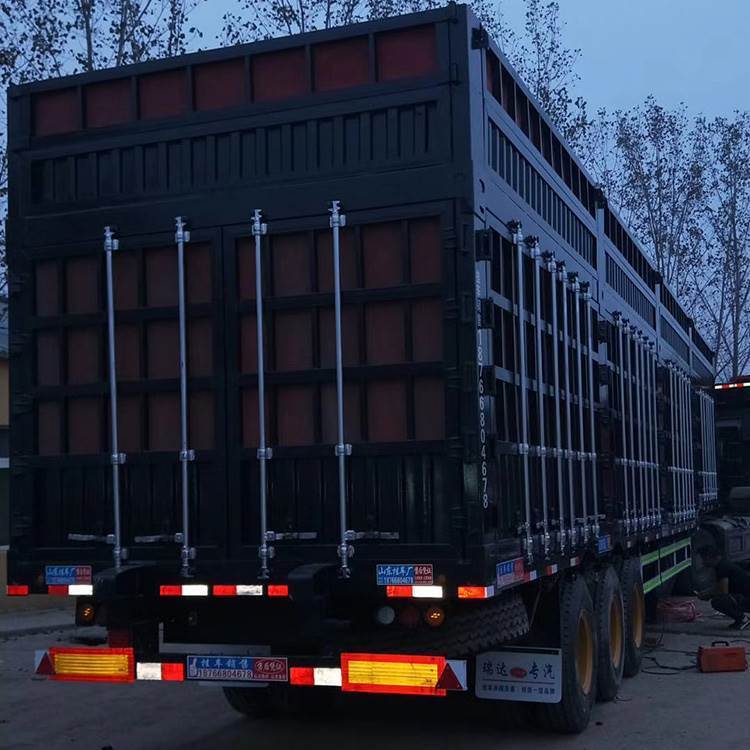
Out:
{"x": 116, "y": 458}
{"x": 265, "y": 551}
{"x": 620, "y": 323}
{"x": 187, "y": 553}
{"x": 575, "y": 287}
{"x": 342, "y": 450}
{"x": 588, "y": 299}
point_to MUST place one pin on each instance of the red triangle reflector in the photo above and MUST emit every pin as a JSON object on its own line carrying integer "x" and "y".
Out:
{"x": 45, "y": 665}
{"x": 448, "y": 680}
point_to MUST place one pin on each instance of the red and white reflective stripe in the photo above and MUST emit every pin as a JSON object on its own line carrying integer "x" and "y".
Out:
{"x": 221, "y": 589}
{"x": 168, "y": 672}
{"x": 73, "y": 589}
{"x": 317, "y": 676}
{"x": 724, "y": 386}
{"x": 476, "y": 592}
{"x": 550, "y": 570}
{"x": 575, "y": 561}
{"x": 414, "y": 592}
{"x": 14, "y": 589}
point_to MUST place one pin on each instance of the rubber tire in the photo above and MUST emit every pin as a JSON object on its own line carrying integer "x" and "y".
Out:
{"x": 631, "y": 582}
{"x": 572, "y": 714}
{"x": 609, "y": 675}
{"x": 255, "y": 703}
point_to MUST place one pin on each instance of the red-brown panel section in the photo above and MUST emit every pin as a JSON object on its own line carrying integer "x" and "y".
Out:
{"x": 386, "y": 411}
{"x": 427, "y": 330}
{"x": 47, "y": 288}
{"x": 383, "y": 256}
{"x": 295, "y": 422}
{"x": 340, "y": 65}
{"x": 279, "y": 75}
{"x": 83, "y": 356}
{"x": 163, "y": 94}
{"x": 163, "y": 422}
{"x": 384, "y": 324}
{"x": 352, "y": 413}
{"x": 163, "y": 349}
{"x": 82, "y": 284}
{"x": 219, "y": 84}
{"x": 406, "y": 53}
{"x": 246, "y": 268}
{"x": 56, "y": 112}
{"x": 48, "y": 358}
{"x": 108, "y": 103}
{"x": 197, "y": 273}
{"x": 250, "y": 417}
{"x": 161, "y": 277}
{"x": 426, "y": 251}
{"x": 200, "y": 348}
{"x": 84, "y": 426}
{"x": 201, "y": 426}
{"x": 349, "y": 336}
{"x": 128, "y": 352}
{"x": 48, "y": 428}
{"x": 429, "y": 409}
{"x": 291, "y": 264}
{"x": 125, "y": 280}
{"x": 129, "y": 423}
{"x": 293, "y": 340}
{"x": 347, "y": 256}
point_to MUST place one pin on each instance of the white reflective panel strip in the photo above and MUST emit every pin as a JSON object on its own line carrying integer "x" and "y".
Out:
{"x": 146, "y": 670}
{"x": 253, "y": 590}
{"x": 194, "y": 589}
{"x": 327, "y": 676}
{"x": 427, "y": 592}
{"x": 80, "y": 589}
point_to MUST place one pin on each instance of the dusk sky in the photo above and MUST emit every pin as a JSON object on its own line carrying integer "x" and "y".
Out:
{"x": 680, "y": 50}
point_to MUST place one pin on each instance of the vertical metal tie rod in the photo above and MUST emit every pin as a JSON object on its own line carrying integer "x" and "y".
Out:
{"x": 654, "y": 432}
{"x": 621, "y": 351}
{"x": 536, "y": 255}
{"x": 523, "y": 446}
{"x": 587, "y": 297}
{"x": 640, "y": 393}
{"x": 632, "y": 462}
{"x": 551, "y": 266}
{"x": 689, "y": 436}
{"x": 187, "y": 553}
{"x": 673, "y": 443}
{"x": 265, "y": 551}
{"x": 116, "y": 458}
{"x": 342, "y": 450}
{"x": 576, "y": 288}
{"x": 563, "y": 277}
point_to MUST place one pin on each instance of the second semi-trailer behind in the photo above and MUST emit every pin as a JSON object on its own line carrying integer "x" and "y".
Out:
{"x": 331, "y": 368}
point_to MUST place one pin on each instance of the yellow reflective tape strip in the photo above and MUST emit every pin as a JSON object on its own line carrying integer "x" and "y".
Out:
{"x": 650, "y": 557}
{"x": 674, "y": 547}
{"x": 652, "y": 584}
{"x": 116, "y": 665}
{"x": 676, "y": 569}
{"x": 392, "y": 673}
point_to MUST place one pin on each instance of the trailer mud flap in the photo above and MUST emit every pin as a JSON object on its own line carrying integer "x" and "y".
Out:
{"x": 520, "y": 674}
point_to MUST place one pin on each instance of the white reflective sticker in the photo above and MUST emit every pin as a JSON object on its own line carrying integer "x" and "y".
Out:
{"x": 80, "y": 589}
{"x": 252, "y": 590}
{"x": 194, "y": 589}
{"x": 145, "y": 670}
{"x": 520, "y": 674}
{"x": 427, "y": 592}
{"x": 327, "y": 676}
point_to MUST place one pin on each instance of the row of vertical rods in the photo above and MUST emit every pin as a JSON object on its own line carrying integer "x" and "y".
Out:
{"x": 683, "y": 489}
{"x": 709, "y": 487}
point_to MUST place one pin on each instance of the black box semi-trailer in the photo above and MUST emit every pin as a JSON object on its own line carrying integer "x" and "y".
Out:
{"x": 483, "y": 410}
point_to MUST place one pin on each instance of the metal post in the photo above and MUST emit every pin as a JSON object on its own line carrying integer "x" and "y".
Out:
{"x": 673, "y": 442}
{"x": 116, "y": 458}
{"x": 576, "y": 287}
{"x": 187, "y": 553}
{"x": 632, "y": 462}
{"x": 640, "y": 384}
{"x": 563, "y": 276}
{"x": 552, "y": 268}
{"x": 689, "y": 437}
{"x": 523, "y": 446}
{"x": 592, "y": 416}
{"x": 654, "y": 432}
{"x": 265, "y": 551}
{"x": 537, "y": 257}
{"x": 342, "y": 450}
{"x": 624, "y": 461}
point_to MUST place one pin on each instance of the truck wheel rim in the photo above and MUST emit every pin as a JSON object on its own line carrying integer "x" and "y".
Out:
{"x": 584, "y": 653}
{"x": 615, "y": 631}
{"x": 638, "y": 616}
